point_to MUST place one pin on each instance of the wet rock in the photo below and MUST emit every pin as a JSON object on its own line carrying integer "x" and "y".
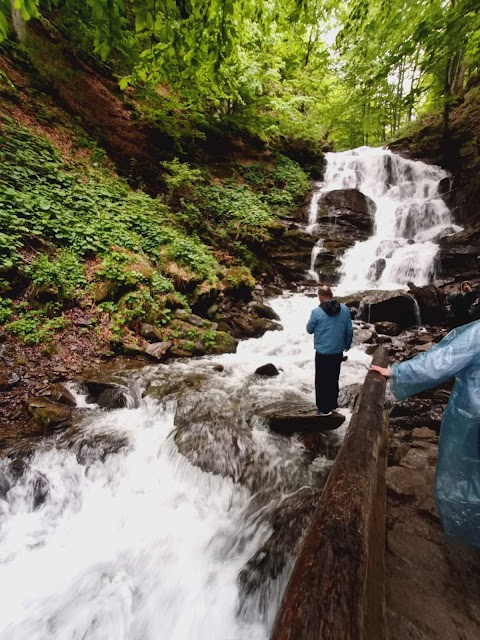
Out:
{"x": 424, "y": 433}
{"x": 92, "y": 447}
{"x": 49, "y": 414}
{"x": 40, "y": 489}
{"x": 5, "y": 484}
{"x": 218, "y": 367}
{"x": 17, "y": 468}
{"x": 175, "y": 385}
{"x": 297, "y": 416}
{"x": 246, "y": 327}
{"x": 431, "y": 303}
{"x": 268, "y": 370}
{"x": 8, "y": 380}
{"x": 113, "y": 398}
{"x": 59, "y": 393}
{"x": 158, "y": 350}
{"x": 424, "y": 338}
{"x": 271, "y": 290}
{"x": 97, "y": 392}
{"x": 150, "y": 332}
{"x": 394, "y": 306}
{"x": 376, "y": 269}
{"x": 431, "y": 418}
{"x": 213, "y": 435}
{"x": 348, "y": 395}
{"x": 351, "y": 200}
{"x": 264, "y": 311}
{"x": 460, "y": 252}
{"x": 420, "y": 348}
{"x": 288, "y": 521}
{"x": 413, "y": 406}
{"x": 387, "y": 328}
{"x": 444, "y": 185}
{"x": 410, "y": 483}
{"x": 363, "y": 336}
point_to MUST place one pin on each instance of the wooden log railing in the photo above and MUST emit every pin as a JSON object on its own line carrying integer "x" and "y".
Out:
{"x": 337, "y": 587}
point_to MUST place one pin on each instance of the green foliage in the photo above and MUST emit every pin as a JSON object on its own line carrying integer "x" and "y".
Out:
{"x": 192, "y": 254}
{"x": 64, "y": 274}
{"x": 6, "y": 309}
{"x": 283, "y": 187}
{"x": 243, "y": 214}
{"x": 33, "y": 327}
{"x": 180, "y": 176}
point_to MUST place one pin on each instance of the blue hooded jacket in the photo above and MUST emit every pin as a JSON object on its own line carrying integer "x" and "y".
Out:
{"x": 457, "y": 482}
{"x": 332, "y": 327}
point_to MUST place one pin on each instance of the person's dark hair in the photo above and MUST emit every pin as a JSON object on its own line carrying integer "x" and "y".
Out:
{"x": 325, "y": 291}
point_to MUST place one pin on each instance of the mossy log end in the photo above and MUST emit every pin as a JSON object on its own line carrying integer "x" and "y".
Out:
{"x": 336, "y": 590}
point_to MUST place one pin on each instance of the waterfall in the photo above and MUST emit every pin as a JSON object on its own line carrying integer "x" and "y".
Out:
{"x": 108, "y": 532}
{"x": 410, "y": 218}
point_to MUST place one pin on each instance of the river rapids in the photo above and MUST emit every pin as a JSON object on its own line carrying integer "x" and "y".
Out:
{"x": 109, "y": 532}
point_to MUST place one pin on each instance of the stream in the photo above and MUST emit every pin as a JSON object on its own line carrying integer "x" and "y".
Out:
{"x": 109, "y": 532}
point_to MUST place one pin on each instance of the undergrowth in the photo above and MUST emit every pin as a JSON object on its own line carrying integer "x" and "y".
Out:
{"x": 73, "y": 235}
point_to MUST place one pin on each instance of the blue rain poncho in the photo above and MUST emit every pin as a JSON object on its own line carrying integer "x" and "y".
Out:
{"x": 457, "y": 482}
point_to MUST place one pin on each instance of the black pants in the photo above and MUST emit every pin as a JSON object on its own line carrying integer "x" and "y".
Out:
{"x": 327, "y": 372}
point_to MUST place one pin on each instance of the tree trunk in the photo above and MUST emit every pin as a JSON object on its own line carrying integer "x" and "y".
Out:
{"x": 18, "y": 23}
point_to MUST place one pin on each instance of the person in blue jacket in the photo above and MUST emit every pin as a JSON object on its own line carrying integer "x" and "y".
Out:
{"x": 457, "y": 482}
{"x": 332, "y": 330}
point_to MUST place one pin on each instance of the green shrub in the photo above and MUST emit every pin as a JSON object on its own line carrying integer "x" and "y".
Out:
{"x": 62, "y": 275}
{"x": 241, "y": 211}
{"x": 33, "y": 327}
{"x": 6, "y": 309}
{"x": 180, "y": 176}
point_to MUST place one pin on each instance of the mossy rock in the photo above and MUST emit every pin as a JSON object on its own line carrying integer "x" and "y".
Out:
{"x": 49, "y": 414}
{"x": 237, "y": 283}
{"x": 104, "y": 290}
{"x": 217, "y": 342}
{"x": 134, "y": 265}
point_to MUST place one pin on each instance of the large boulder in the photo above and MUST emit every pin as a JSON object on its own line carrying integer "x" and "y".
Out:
{"x": 460, "y": 252}
{"x": 394, "y": 306}
{"x": 49, "y": 414}
{"x": 107, "y": 394}
{"x": 213, "y": 435}
{"x": 431, "y": 304}
{"x": 351, "y": 206}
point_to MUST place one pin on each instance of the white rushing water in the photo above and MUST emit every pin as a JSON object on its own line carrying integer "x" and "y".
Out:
{"x": 129, "y": 540}
{"x": 108, "y": 532}
{"x": 409, "y": 220}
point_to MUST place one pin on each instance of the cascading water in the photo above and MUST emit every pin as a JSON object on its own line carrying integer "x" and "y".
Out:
{"x": 108, "y": 532}
{"x": 409, "y": 220}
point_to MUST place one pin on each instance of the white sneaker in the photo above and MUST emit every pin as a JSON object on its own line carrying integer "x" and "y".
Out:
{"x": 328, "y": 413}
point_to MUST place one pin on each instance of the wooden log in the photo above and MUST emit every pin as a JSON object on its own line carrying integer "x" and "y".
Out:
{"x": 336, "y": 590}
